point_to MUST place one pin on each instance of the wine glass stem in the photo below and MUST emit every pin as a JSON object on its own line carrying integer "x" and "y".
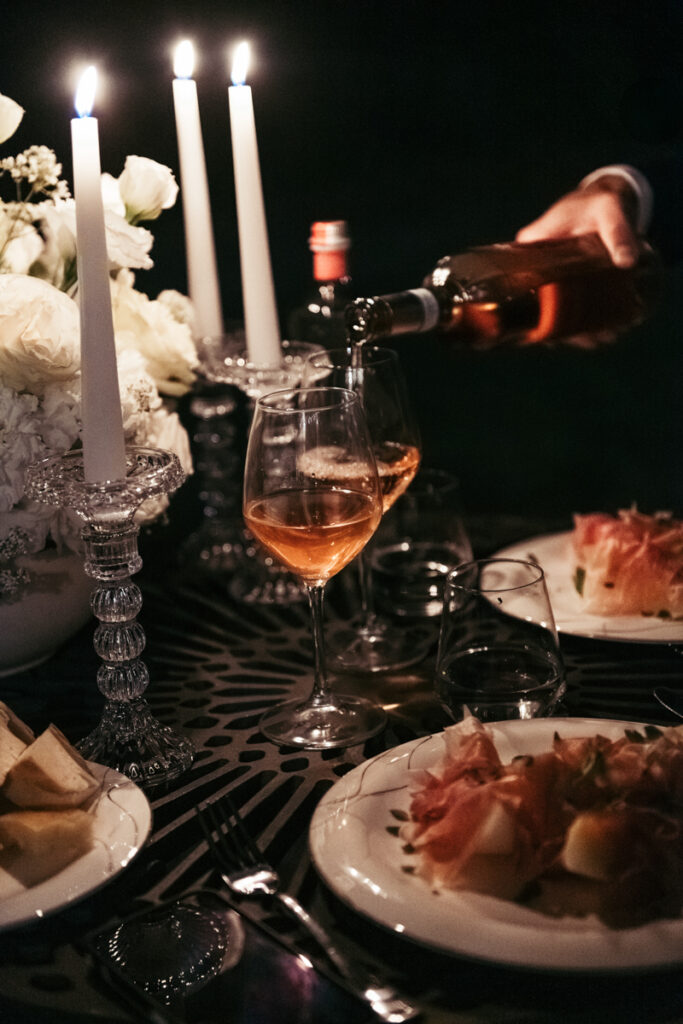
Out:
{"x": 367, "y": 597}
{"x": 316, "y": 593}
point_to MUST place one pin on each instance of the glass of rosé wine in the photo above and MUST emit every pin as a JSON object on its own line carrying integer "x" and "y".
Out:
{"x": 312, "y": 498}
{"x": 373, "y": 642}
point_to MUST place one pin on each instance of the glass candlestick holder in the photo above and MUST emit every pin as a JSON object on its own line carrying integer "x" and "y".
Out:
{"x": 256, "y": 577}
{"x": 128, "y": 738}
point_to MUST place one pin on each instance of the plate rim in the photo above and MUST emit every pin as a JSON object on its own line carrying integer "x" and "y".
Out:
{"x": 608, "y": 963}
{"x": 37, "y": 902}
{"x": 597, "y": 627}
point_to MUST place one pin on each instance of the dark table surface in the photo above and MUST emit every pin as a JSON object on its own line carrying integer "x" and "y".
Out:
{"x": 216, "y": 665}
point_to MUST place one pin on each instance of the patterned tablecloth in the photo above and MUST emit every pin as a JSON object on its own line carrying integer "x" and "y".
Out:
{"x": 215, "y": 666}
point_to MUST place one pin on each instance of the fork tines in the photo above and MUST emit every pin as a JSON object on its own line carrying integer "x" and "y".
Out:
{"x": 232, "y": 843}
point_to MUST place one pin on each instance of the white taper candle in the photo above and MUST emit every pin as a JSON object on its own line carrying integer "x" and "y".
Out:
{"x": 104, "y": 451}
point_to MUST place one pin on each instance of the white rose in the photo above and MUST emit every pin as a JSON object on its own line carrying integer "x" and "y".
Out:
{"x": 39, "y": 334}
{"x": 149, "y": 327}
{"x": 146, "y": 188}
{"x": 10, "y": 117}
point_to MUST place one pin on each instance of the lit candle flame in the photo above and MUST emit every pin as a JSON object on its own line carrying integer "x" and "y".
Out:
{"x": 240, "y": 62}
{"x": 183, "y": 62}
{"x": 85, "y": 93}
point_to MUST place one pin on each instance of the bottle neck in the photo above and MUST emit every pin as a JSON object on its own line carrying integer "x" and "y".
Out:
{"x": 409, "y": 312}
{"x": 330, "y": 266}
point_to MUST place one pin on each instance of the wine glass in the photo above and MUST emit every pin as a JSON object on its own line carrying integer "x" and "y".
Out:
{"x": 374, "y": 643}
{"x": 312, "y": 497}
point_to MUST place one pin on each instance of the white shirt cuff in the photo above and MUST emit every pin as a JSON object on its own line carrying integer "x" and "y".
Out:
{"x": 638, "y": 182}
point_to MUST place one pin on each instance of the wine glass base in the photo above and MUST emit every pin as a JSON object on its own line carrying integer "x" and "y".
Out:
{"x": 343, "y": 722}
{"x": 175, "y": 949}
{"x": 378, "y": 647}
{"x": 130, "y": 739}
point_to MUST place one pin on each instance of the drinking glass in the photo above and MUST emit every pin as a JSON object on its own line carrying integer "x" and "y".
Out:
{"x": 374, "y": 643}
{"x": 498, "y": 653}
{"x": 416, "y": 545}
{"x": 312, "y": 497}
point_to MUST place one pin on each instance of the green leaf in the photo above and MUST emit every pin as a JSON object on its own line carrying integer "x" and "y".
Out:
{"x": 579, "y": 580}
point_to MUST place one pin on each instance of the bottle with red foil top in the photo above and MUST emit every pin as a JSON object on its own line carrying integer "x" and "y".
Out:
{"x": 321, "y": 320}
{"x": 517, "y": 292}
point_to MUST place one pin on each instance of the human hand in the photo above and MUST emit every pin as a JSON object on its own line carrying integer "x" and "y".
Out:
{"x": 607, "y": 205}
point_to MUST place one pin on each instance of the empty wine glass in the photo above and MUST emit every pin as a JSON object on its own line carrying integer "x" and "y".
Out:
{"x": 374, "y": 643}
{"x": 312, "y": 498}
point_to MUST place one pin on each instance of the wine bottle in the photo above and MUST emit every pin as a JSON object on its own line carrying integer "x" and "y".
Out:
{"x": 515, "y": 292}
{"x": 321, "y": 319}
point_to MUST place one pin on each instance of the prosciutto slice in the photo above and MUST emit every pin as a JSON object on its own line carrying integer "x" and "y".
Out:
{"x": 629, "y": 564}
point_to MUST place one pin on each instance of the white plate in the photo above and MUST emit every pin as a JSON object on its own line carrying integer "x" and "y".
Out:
{"x": 361, "y": 861}
{"x": 122, "y": 822}
{"x": 553, "y": 552}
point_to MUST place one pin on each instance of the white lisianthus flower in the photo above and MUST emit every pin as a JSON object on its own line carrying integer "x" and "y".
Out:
{"x": 146, "y": 188}
{"x": 20, "y": 243}
{"x": 111, "y": 195}
{"x": 10, "y": 117}
{"x": 149, "y": 327}
{"x": 57, "y": 262}
{"x": 39, "y": 334}
{"x": 127, "y": 246}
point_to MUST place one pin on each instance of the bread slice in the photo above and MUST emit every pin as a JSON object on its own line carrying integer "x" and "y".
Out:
{"x": 49, "y": 773}
{"x": 34, "y": 845}
{"x": 14, "y": 738}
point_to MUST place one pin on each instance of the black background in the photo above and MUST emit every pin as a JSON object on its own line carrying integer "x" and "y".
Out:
{"x": 429, "y": 126}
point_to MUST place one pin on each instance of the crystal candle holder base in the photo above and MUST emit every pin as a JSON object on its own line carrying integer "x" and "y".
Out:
{"x": 128, "y": 738}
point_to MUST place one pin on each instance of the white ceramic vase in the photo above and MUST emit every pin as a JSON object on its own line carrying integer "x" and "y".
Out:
{"x": 51, "y": 608}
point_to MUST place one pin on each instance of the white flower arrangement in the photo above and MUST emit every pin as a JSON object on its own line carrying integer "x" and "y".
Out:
{"x": 40, "y": 339}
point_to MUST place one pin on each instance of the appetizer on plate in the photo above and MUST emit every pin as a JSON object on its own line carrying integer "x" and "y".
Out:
{"x": 629, "y": 564}
{"x": 591, "y": 826}
{"x": 46, "y": 796}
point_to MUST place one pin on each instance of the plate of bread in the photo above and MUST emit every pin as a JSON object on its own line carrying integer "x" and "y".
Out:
{"x": 67, "y": 826}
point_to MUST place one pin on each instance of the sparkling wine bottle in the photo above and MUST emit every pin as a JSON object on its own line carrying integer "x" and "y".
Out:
{"x": 514, "y": 292}
{"x": 321, "y": 320}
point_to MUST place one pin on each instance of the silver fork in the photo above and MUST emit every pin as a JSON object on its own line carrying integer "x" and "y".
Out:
{"x": 245, "y": 872}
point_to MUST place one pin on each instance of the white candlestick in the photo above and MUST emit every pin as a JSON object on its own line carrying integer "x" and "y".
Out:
{"x": 258, "y": 293}
{"x": 104, "y": 452}
{"x": 202, "y": 273}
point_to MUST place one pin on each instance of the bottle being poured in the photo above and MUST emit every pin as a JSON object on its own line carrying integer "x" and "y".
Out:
{"x": 519, "y": 293}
